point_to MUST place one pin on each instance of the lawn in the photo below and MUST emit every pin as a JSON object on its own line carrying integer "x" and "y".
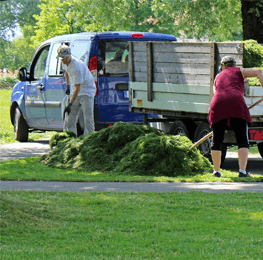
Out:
{"x": 32, "y": 169}
{"x": 96, "y": 225}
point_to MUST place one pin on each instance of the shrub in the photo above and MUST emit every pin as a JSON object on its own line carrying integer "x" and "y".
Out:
{"x": 8, "y": 79}
{"x": 253, "y": 56}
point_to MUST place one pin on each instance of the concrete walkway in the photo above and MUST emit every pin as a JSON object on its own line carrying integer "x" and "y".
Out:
{"x": 22, "y": 150}
{"x": 207, "y": 187}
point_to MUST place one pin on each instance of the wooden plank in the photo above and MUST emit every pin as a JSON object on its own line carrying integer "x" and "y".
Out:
{"x": 212, "y": 69}
{"x": 197, "y": 58}
{"x": 131, "y": 62}
{"x": 179, "y": 68}
{"x": 149, "y": 71}
{"x": 230, "y": 48}
{"x": 174, "y": 57}
{"x": 171, "y": 88}
{"x": 175, "y": 68}
{"x": 196, "y": 80}
{"x": 181, "y": 47}
{"x": 139, "y": 46}
{"x": 174, "y": 47}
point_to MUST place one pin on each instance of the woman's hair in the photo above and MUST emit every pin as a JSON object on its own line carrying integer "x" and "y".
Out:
{"x": 228, "y": 61}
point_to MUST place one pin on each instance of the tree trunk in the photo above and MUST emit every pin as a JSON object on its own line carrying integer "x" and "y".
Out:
{"x": 252, "y": 21}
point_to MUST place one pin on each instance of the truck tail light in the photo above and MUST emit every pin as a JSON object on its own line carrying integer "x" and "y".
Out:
{"x": 93, "y": 67}
{"x": 255, "y": 134}
{"x": 137, "y": 35}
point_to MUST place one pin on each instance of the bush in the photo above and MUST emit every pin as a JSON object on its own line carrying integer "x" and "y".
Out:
{"x": 8, "y": 79}
{"x": 129, "y": 149}
{"x": 253, "y": 56}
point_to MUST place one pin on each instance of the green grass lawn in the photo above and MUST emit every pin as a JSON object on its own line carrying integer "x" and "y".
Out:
{"x": 33, "y": 169}
{"x": 96, "y": 225}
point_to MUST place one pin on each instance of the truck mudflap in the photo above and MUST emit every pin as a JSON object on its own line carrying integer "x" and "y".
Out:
{"x": 255, "y": 134}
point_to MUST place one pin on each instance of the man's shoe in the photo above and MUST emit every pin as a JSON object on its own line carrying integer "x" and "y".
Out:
{"x": 241, "y": 174}
{"x": 217, "y": 174}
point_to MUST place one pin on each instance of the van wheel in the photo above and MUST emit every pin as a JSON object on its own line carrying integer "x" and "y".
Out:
{"x": 179, "y": 128}
{"x": 205, "y": 148}
{"x": 20, "y": 127}
{"x": 260, "y": 149}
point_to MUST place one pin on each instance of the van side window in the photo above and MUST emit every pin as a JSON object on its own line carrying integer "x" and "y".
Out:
{"x": 113, "y": 57}
{"x": 55, "y": 68}
{"x": 81, "y": 49}
{"x": 40, "y": 64}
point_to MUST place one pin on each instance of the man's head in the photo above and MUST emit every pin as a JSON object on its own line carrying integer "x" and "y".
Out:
{"x": 63, "y": 52}
{"x": 227, "y": 61}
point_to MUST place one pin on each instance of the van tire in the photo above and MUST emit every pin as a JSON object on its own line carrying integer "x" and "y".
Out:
{"x": 20, "y": 127}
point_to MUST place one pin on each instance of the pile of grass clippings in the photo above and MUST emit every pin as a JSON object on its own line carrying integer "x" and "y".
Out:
{"x": 129, "y": 149}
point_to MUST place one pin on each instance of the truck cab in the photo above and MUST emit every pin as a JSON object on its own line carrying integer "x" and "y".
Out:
{"x": 38, "y": 99}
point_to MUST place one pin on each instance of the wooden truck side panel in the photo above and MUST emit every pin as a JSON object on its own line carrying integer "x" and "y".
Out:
{"x": 171, "y": 78}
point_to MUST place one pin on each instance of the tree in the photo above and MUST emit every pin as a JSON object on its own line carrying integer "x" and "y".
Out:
{"x": 252, "y": 14}
{"x": 58, "y": 17}
{"x": 196, "y": 18}
{"x": 212, "y": 19}
{"x": 14, "y": 14}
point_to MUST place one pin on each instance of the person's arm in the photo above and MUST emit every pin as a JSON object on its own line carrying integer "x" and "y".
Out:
{"x": 67, "y": 78}
{"x": 75, "y": 93}
{"x": 253, "y": 72}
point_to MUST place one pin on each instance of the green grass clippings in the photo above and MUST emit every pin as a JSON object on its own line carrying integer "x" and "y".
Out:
{"x": 127, "y": 148}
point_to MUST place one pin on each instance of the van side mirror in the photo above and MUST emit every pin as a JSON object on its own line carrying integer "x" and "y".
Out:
{"x": 22, "y": 74}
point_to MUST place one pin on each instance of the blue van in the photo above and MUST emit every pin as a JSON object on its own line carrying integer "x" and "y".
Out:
{"x": 38, "y": 99}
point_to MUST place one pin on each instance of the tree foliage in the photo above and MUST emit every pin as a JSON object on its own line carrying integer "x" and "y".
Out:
{"x": 16, "y": 14}
{"x": 42, "y": 19}
{"x": 213, "y": 19}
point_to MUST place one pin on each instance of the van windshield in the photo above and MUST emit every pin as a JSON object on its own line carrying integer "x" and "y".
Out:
{"x": 113, "y": 57}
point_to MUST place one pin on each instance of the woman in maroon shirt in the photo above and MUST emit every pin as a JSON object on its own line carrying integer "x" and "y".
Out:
{"x": 228, "y": 107}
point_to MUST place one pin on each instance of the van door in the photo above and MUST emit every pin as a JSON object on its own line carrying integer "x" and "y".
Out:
{"x": 113, "y": 78}
{"x": 34, "y": 92}
{"x": 55, "y": 97}
{"x": 55, "y": 91}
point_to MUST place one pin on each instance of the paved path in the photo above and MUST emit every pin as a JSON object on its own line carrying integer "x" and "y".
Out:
{"x": 207, "y": 187}
{"x": 22, "y": 150}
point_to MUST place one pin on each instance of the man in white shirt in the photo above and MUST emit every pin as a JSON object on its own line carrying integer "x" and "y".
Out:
{"x": 78, "y": 74}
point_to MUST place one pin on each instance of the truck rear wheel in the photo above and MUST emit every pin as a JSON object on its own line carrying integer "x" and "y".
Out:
{"x": 202, "y": 130}
{"x": 205, "y": 148}
{"x": 179, "y": 128}
{"x": 20, "y": 127}
{"x": 260, "y": 149}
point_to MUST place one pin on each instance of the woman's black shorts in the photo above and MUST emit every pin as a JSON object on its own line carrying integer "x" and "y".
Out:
{"x": 240, "y": 127}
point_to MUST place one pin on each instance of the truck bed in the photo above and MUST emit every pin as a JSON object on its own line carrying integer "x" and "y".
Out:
{"x": 176, "y": 79}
